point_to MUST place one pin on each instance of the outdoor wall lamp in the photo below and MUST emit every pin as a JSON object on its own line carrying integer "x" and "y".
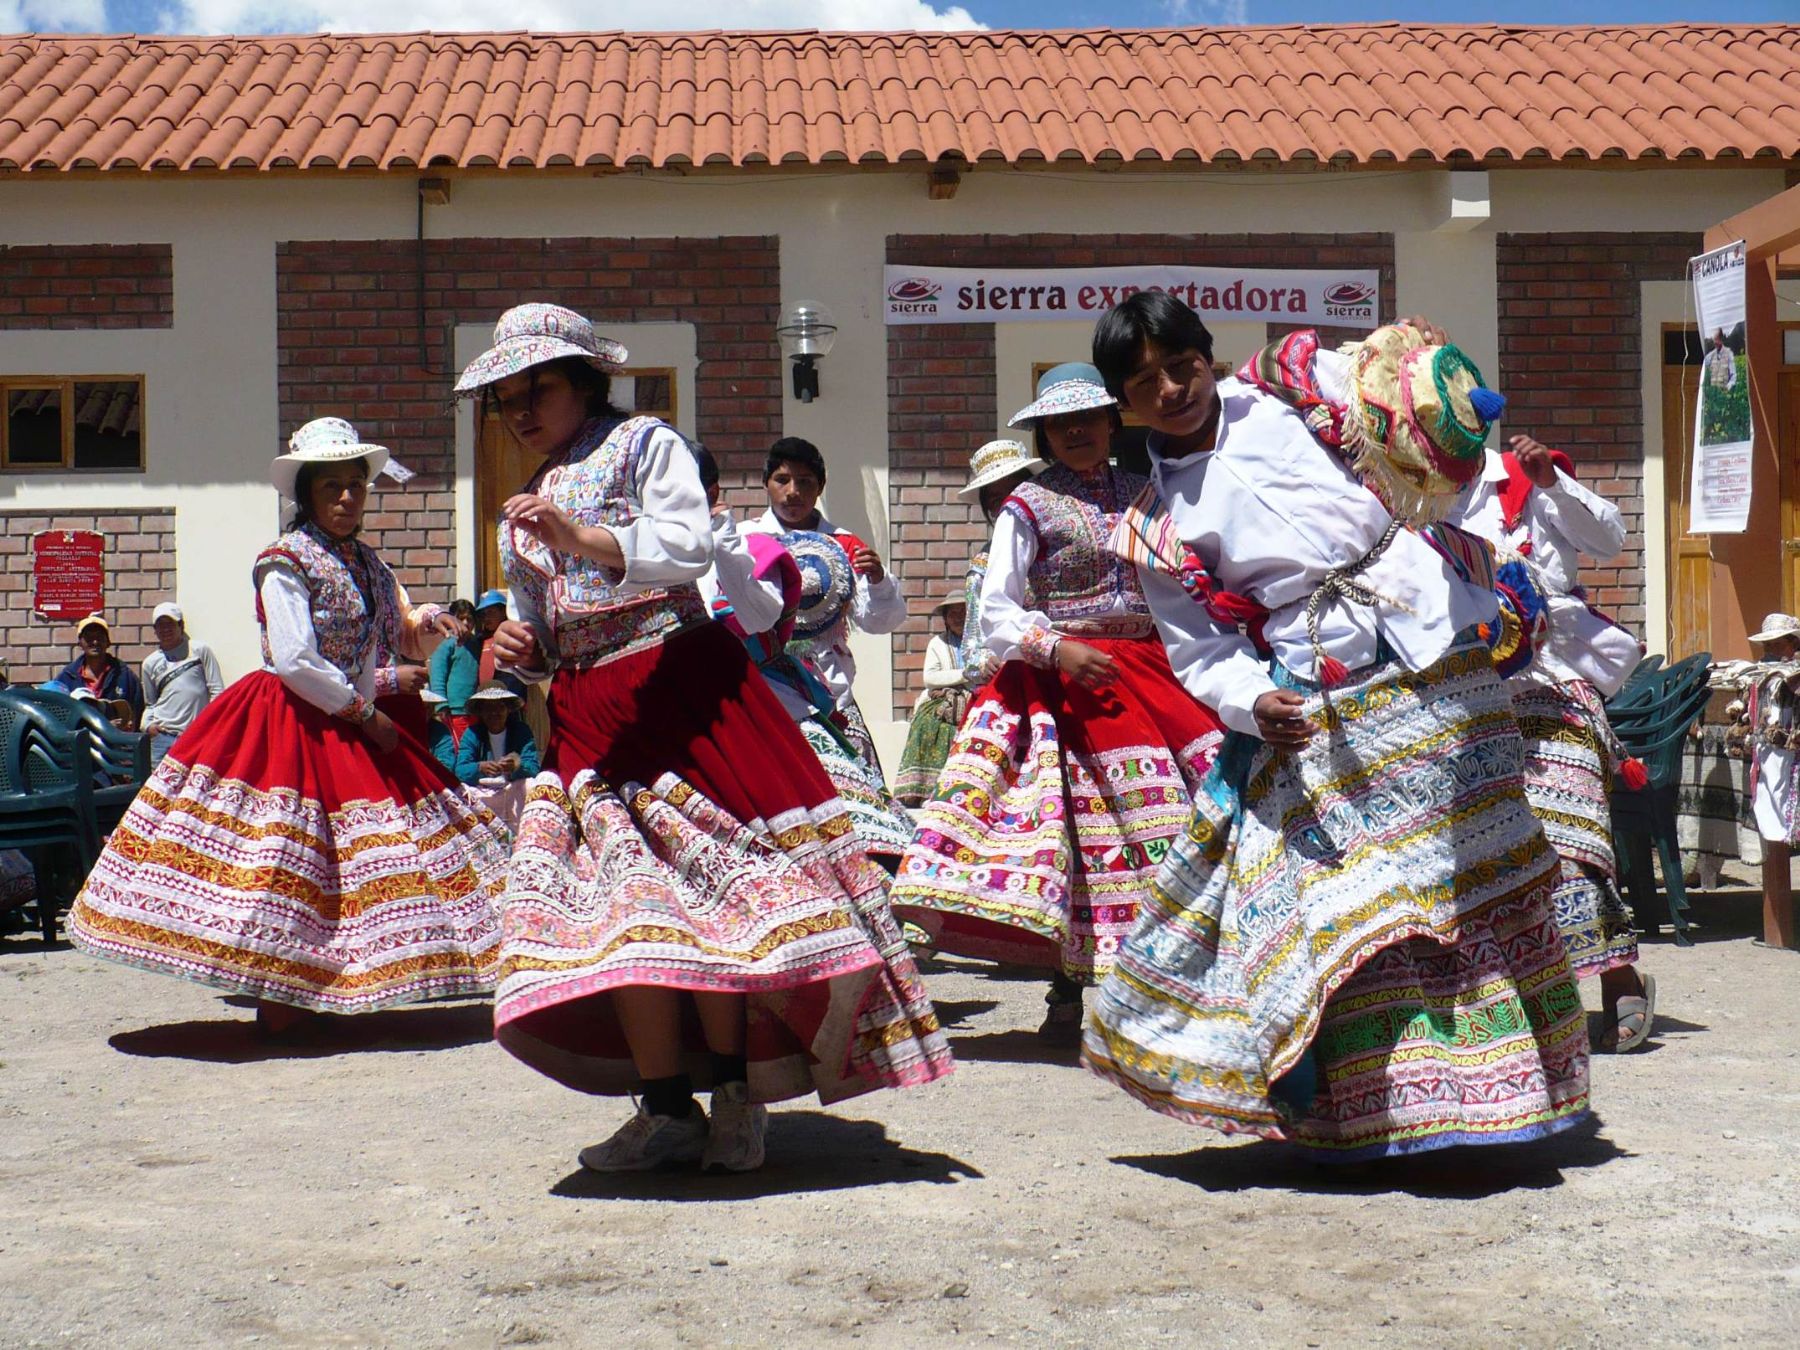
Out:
{"x": 806, "y": 333}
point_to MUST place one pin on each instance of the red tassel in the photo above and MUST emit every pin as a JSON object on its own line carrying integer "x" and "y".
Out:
{"x": 1333, "y": 672}
{"x": 1634, "y": 775}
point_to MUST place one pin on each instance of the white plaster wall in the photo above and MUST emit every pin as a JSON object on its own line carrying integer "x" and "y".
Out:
{"x": 211, "y": 397}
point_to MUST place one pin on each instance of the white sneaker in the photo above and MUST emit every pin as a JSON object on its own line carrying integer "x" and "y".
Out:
{"x": 646, "y": 1141}
{"x": 738, "y": 1128}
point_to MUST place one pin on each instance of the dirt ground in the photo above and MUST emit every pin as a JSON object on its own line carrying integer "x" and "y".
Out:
{"x": 166, "y": 1179}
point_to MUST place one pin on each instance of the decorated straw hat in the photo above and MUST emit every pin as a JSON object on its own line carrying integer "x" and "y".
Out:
{"x": 530, "y": 335}
{"x": 997, "y": 460}
{"x": 1418, "y": 420}
{"x": 1777, "y": 626}
{"x": 1074, "y": 386}
{"x": 324, "y": 440}
{"x": 493, "y": 692}
{"x": 827, "y": 582}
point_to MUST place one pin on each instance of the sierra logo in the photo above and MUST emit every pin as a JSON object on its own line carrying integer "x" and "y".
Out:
{"x": 913, "y": 295}
{"x": 1350, "y": 300}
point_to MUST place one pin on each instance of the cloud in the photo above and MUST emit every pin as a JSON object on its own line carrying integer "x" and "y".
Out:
{"x": 52, "y": 16}
{"x": 1208, "y": 13}
{"x": 402, "y": 16}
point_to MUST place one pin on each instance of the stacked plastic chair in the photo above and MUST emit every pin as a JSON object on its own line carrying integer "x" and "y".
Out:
{"x": 47, "y": 801}
{"x": 1652, "y": 716}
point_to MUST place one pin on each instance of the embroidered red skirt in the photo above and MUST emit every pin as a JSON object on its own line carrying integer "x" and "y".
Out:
{"x": 276, "y": 852}
{"x": 1053, "y": 811}
{"x": 688, "y": 839}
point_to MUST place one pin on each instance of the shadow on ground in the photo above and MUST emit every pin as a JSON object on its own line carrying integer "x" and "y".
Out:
{"x": 957, "y": 1012}
{"x": 1447, "y": 1174}
{"x": 236, "y": 1041}
{"x": 808, "y": 1151}
{"x": 1020, "y": 1046}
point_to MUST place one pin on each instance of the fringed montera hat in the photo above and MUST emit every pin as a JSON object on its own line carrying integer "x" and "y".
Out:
{"x": 827, "y": 582}
{"x": 997, "y": 460}
{"x": 1418, "y": 418}
{"x": 530, "y": 335}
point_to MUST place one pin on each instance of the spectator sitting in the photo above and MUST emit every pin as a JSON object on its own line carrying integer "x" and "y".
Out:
{"x": 498, "y": 745}
{"x": 180, "y": 678}
{"x": 98, "y": 671}
{"x": 439, "y": 735}
{"x": 456, "y": 667}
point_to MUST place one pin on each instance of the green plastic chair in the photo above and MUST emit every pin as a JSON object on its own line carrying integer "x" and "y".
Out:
{"x": 121, "y": 757}
{"x": 47, "y": 803}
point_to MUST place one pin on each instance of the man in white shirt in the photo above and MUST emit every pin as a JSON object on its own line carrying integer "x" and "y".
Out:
{"x": 794, "y": 478}
{"x": 1541, "y": 511}
{"x": 180, "y": 678}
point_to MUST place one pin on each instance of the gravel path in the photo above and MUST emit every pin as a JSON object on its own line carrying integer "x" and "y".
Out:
{"x": 166, "y": 1179}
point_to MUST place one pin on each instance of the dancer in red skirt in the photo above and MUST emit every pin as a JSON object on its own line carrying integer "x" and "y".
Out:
{"x": 294, "y": 844}
{"x": 688, "y": 906}
{"x": 1070, "y": 775}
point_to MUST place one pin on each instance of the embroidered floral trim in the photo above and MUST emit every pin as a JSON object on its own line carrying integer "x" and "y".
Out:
{"x": 1038, "y": 646}
{"x": 387, "y": 681}
{"x": 358, "y": 709}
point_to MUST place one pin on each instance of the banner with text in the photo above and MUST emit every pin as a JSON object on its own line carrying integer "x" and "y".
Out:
{"x": 1719, "y": 494}
{"x": 1023, "y": 295}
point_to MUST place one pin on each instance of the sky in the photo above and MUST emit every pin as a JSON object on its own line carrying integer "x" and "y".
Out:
{"x": 289, "y": 16}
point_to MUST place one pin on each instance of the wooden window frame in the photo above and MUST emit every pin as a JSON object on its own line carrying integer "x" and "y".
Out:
{"x": 65, "y": 386}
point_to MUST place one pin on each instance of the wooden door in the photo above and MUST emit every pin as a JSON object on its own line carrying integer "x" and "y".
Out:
{"x": 1788, "y": 419}
{"x": 1689, "y": 560}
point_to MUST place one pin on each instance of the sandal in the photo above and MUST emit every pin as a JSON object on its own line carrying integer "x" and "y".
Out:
{"x": 1633, "y": 1018}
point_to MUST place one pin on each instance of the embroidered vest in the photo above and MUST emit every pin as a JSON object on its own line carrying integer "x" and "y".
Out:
{"x": 1075, "y": 575}
{"x": 355, "y": 601}
{"x": 591, "y": 621}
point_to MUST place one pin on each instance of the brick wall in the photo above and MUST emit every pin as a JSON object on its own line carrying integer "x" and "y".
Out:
{"x": 87, "y": 286}
{"x": 350, "y": 343}
{"x": 140, "y": 574}
{"x": 942, "y": 400}
{"x": 1571, "y": 367}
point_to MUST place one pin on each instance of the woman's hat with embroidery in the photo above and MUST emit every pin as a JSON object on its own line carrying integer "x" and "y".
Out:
{"x": 324, "y": 440}
{"x": 530, "y": 335}
{"x": 1419, "y": 417}
{"x": 997, "y": 460}
{"x": 494, "y": 692}
{"x": 1074, "y": 386}
{"x": 827, "y": 582}
{"x": 1777, "y": 626}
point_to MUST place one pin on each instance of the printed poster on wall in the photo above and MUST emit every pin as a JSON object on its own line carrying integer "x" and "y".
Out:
{"x": 1328, "y": 298}
{"x": 68, "y": 573}
{"x": 1719, "y": 494}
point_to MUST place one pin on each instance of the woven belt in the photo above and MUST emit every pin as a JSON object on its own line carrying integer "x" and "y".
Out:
{"x": 1341, "y": 586}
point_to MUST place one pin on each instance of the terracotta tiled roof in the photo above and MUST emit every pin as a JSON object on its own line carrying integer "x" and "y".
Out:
{"x": 1351, "y": 95}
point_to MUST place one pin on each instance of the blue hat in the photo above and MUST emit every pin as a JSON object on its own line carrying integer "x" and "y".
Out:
{"x": 827, "y": 582}
{"x": 1074, "y": 386}
{"x": 491, "y": 598}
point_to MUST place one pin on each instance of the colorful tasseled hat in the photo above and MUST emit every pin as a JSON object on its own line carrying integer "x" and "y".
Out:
{"x": 1418, "y": 420}
{"x": 827, "y": 582}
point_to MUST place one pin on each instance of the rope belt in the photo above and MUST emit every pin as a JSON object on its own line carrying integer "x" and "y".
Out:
{"x": 1341, "y": 586}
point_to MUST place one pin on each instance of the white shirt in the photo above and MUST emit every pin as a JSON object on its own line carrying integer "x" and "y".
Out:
{"x": 1269, "y": 510}
{"x": 942, "y": 669}
{"x": 1560, "y": 522}
{"x": 757, "y": 605}
{"x": 1006, "y": 612}
{"x": 669, "y": 539}
{"x": 875, "y": 608}
{"x": 294, "y": 650}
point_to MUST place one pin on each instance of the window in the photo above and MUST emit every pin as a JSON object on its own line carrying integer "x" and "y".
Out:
{"x": 649, "y": 389}
{"x": 93, "y": 424}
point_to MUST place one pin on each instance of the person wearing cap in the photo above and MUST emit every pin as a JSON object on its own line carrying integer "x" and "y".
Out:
{"x": 456, "y": 665}
{"x": 939, "y": 708}
{"x": 498, "y": 744}
{"x": 688, "y": 904}
{"x": 1070, "y": 774}
{"x": 295, "y": 845}
{"x": 179, "y": 679}
{"x": 1774, "y": 713}
{"x": 97, "y": 670}
{"x": 995, "y": 469}
{"x": 794, "y": 478}
{"x": 1527, "y": 503}
{"x": 1352, "y": 946}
